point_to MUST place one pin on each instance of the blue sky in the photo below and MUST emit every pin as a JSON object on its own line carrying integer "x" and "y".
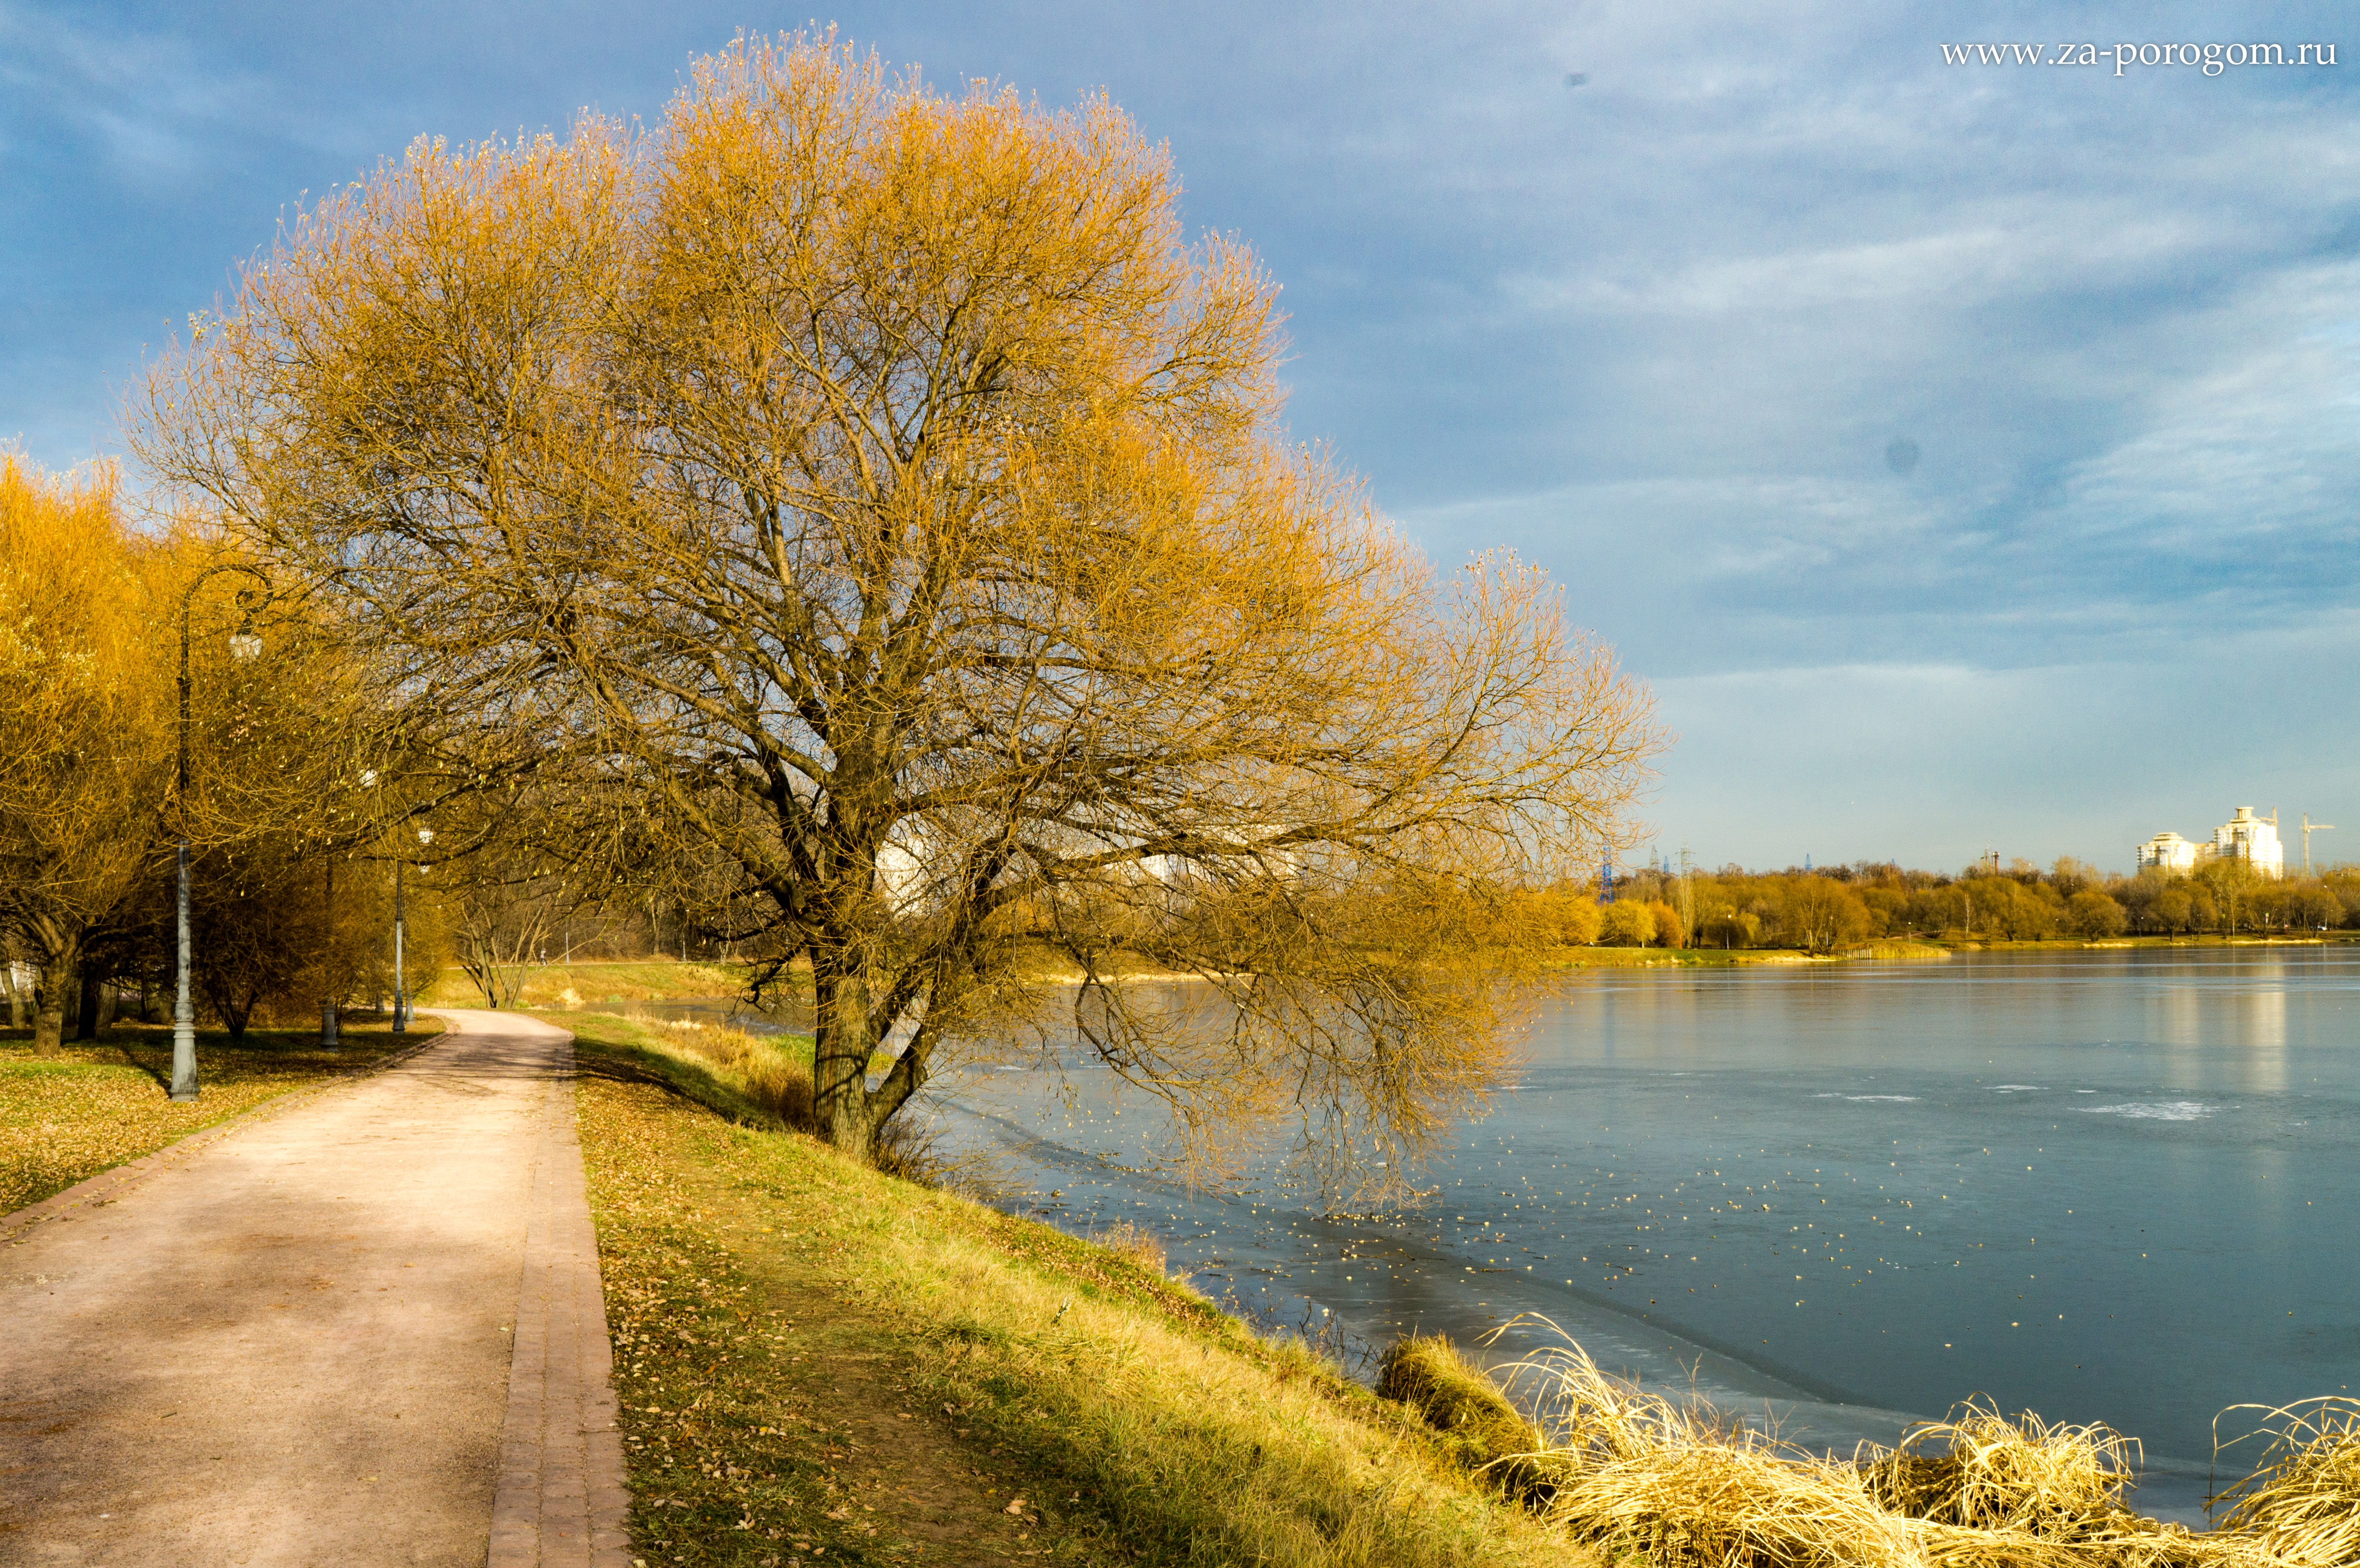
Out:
{"x": 1676, "y": 331}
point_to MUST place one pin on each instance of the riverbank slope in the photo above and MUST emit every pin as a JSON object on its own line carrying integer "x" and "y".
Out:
{"x": 810, "y": 1356}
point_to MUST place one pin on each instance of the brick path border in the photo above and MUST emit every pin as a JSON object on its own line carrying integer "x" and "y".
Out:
{"x": 562, "y": 1501}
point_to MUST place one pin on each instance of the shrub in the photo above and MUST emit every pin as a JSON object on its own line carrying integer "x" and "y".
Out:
{"x": 2094, "y": 915}
{"x": 1577, "y": 920}
{"x": 1627, "y": 924}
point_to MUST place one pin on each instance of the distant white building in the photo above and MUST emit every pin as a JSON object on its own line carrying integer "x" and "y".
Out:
{"x": 2169, "y": 852}
{"x": 2246, "y": 837}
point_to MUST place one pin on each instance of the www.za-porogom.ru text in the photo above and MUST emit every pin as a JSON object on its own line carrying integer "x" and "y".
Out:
{"x": 2209, "y": 59}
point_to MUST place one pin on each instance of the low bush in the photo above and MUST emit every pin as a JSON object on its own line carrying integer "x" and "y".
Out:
{"x": 1428, "y": 1373}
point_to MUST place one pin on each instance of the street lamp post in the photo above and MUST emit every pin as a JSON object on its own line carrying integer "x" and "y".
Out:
{"x": 328, "y": 957}
{"x": 244, "y": 643}
{"x": 400, "y": 993}
{"x": 400, "y": 997}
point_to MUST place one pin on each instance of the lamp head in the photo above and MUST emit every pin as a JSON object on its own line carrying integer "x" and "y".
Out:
{"x": 246, "y": 644}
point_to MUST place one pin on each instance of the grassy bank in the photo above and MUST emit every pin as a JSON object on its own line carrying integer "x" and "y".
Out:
{"x": 94, "y": 1105}
{"x": 817, "y": 1361}
{"x": 1675, "y": 957}
{"x": 1959, "y": 942}
{"x": 1899, "y": 950}
{"x": 581, "y": 984}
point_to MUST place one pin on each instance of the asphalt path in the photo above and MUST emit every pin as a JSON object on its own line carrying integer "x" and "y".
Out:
{"x": 362, "y": 1328}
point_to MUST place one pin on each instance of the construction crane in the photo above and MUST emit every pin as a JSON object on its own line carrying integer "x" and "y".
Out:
{"x": 2309, "y": 828}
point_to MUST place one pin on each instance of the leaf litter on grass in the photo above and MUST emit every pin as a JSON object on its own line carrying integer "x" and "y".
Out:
{"x": 66, "y": 1119}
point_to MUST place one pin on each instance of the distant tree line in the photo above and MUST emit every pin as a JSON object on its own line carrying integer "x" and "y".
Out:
{"x": 1831, "y": 908}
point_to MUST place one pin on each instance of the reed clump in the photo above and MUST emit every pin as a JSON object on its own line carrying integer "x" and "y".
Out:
{"x": 1428, "y": 1373}
{"x": 1992, "y": 1489}
{"x": 1902, "y": 952}
{"x": 1643, "y": 1477}
{"x": 1982, "y": 1471}
{"x": 1675, "y": 1483}
{"x": 2301, "y": 1503}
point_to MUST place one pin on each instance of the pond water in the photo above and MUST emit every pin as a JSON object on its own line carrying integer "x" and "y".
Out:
{"x": 2107, "y": 1185}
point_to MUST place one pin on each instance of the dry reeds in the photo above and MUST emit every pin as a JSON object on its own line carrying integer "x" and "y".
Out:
{"x": 1982, "y": 1471}
{"x": 777, "y": 1080}
{"x": 2301, "y": 1504}
{"x": 1993, "y": 1490}
{"x": 1142, "y": 1247}
{"x": 1639, "y": 1476}
{"x": 909, "y": 1148}
{"x": 1677, "y": 1484}
{"x": 773, "y": 1074}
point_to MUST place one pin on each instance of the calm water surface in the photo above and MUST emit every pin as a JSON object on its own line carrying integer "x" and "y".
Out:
{"x": 2110, "y": 1186}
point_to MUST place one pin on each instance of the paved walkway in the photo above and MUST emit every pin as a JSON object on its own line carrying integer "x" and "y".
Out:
{"x": 364, "y": 1328}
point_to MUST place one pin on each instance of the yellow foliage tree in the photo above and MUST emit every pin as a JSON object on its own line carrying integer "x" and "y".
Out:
{"x": 1821, "y": 914}
{"x": 1627, "y": 922}
{"x": 884, "y": 503}
{"x": 85, "y": 703}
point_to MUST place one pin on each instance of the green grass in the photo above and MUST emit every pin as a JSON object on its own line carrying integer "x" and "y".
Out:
{"x": 99, "y": 1104}
{"x": 811, "y": 1355}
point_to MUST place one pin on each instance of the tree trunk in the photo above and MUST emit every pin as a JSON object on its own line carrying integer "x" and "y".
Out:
{"x": 109, "y": 997}
{"x": 840, "y": 1053}
{"x": 49, "y": 1000}
{"x": 8, "y": 980}
{"x": 86, "y": 1013}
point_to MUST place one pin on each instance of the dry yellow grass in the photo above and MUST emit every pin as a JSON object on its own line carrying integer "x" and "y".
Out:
{"x": 774, "y": 1071}
{"x": 1142, "y": 1247}
{"x": 1671, "y": 1484}
{"x": 1641, "y": 1476}
{"x": 589, "y": 983}
{"x": 2302, "y": 1500}
{"x": 763, "y": 1079}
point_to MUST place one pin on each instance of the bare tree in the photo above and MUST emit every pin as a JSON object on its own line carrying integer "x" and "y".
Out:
{"x": 500, "y": 904}
{"x": 884, "y": 506}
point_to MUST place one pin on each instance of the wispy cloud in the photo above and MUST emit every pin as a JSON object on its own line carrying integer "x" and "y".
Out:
{"x": 150, "y": 103}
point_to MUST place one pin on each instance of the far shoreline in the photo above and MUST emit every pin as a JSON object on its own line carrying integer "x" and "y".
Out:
{"x": 1906, "y": 950}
